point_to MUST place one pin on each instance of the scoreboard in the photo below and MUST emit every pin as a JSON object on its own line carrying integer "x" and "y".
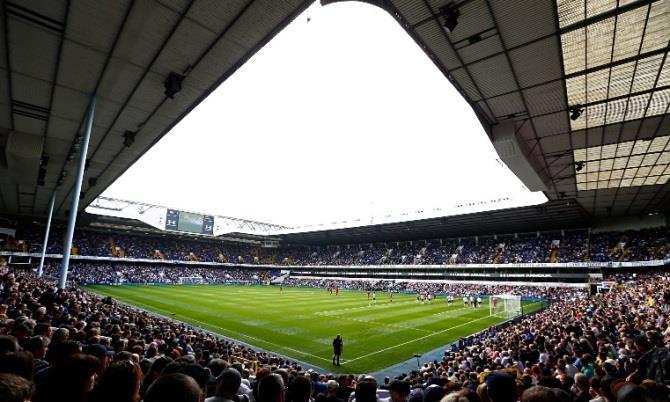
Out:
{"x": 182, "y": 221}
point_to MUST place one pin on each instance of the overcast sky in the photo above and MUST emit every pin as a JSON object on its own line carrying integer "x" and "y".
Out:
{"x": 338, "y": 117}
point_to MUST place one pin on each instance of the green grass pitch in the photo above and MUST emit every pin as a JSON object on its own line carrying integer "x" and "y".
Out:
{"x": 301, "y": 322}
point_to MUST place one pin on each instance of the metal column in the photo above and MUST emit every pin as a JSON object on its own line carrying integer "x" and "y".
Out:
{"x": 40, "y": 270}
{"x": 74, "y": 207}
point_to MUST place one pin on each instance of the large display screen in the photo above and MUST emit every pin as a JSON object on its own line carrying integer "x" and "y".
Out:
{"x": 189, "y": 222}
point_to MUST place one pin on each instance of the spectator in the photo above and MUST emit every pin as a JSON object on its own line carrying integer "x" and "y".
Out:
{"x": 271, "y": 389}
{"x": 69, "y": 380}
{"x": 398, "y": 391}
{"x": 227, "y": 384}
{"x": 582, "y": 388}
{"x": 501, "y": 387}
{"x": 19, "y": 363}
{"x": 366, "y": 390}
{"x": 14, "y": 388}
{"x": 654, "y": 362}
{"x": 174, "y": 387}
{"x": 8, "y": 344}
{"x": 121, "y": 382}
{"x": 331, "y": 395}
{"x": 299, "y": 390}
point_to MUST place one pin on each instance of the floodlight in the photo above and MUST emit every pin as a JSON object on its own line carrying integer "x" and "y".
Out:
{"x": 450, "y": 14}
{"x": 129, "y": 138}
{"x": 576, "y": 112}
{"x": 172, "y": 84}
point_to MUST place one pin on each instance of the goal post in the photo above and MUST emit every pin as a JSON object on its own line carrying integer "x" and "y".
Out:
{"x": 506, "y": 306}
{"x": 191, "y": 280}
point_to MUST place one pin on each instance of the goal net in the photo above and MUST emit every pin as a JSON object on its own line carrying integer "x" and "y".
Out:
{"x": 191, "y": 280}
{"x": 506, "y": 306}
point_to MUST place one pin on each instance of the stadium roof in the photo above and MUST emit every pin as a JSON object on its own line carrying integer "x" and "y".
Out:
{"x": 54, "y": 53}
{"x": 553, "y": 215}
{"x": 586, "y": 84}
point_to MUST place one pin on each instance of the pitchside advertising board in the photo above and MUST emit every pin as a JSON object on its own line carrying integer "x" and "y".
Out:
{"x": 181, "y": 221}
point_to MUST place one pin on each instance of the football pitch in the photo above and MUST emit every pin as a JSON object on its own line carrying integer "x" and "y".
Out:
{"x": 301, "y": 322}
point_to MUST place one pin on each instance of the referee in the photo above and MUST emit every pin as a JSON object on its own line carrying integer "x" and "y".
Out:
{"x": 337, "y": 350}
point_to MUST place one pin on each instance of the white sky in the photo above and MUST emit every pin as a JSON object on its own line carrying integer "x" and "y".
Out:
{"x": 336, "y": 118}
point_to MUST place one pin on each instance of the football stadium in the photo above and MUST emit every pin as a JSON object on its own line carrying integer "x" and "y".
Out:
{"x": 335, "y": 201}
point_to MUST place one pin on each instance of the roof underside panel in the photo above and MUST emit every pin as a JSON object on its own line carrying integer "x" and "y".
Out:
{"x": 59, "y": 52}
{"x": 554, "y": 215}
{"x": 583, "y": 80}
{"x": 541, "y": 61}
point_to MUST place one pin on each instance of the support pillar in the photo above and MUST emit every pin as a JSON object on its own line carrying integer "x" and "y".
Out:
{"x": 74, "y": 207}
{"x": 40, "y": 270}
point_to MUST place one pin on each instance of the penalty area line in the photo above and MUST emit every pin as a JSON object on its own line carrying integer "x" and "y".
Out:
{"x": 415, "y": 340}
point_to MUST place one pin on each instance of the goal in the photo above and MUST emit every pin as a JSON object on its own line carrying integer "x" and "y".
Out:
{"x": 191, "y": 280}
{"x": 506, "y": 306}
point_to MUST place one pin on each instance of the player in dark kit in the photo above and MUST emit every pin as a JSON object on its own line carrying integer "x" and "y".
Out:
{"x": 337, "y": 350}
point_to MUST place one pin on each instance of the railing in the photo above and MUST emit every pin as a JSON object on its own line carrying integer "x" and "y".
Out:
{"x": 250, "y": 363}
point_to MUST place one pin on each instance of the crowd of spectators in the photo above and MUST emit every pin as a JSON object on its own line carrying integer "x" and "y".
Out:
{"x": 103, "y": 273}
{"x": 435, "y": 288}
{"x": 71, "y": 345}
{"x": 119, "y": 273}
{"x": 540, "y": 247}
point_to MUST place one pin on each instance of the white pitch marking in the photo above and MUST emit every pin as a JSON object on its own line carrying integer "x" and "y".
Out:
{"x": 415, "y": 340}
{"x": 239, "y": 333}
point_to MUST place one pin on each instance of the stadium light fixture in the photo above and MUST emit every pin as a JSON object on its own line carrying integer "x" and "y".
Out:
{"x": 450, "y": 14}
{"x": 41, "y": 175}
{"x": 129, "y": 138}
{"x": 172, "y": 84}
{"x": 62, "y": 177}
{"x": 576, "y": 112}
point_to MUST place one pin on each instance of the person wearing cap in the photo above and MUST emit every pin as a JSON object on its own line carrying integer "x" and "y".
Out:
{"x": 105, "y": 356}
{"x": 337, "y": 350}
